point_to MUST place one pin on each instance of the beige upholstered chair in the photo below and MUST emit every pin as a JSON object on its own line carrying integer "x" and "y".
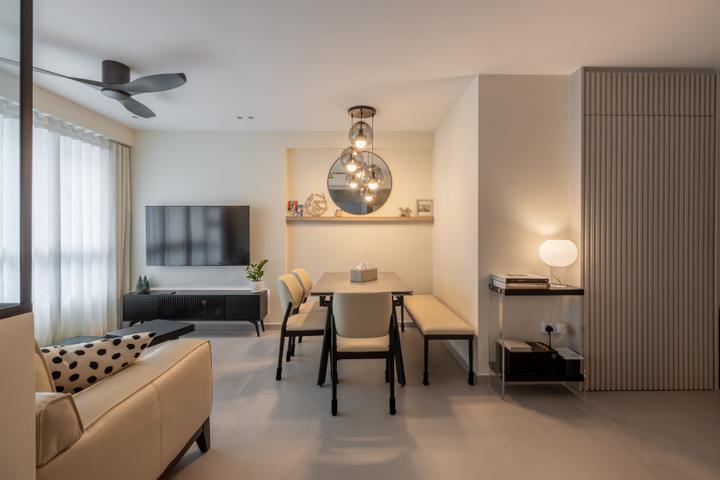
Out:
{"x": 361, "y": 327}
{"x": 306, "y": 283}
{"x": 295, "y": 323}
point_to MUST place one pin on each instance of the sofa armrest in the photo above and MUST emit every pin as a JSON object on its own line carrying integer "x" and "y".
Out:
{"x": 57, "y": 425}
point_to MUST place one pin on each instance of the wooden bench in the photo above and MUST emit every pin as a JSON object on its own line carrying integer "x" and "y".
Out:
{"x": 437, "y": 322}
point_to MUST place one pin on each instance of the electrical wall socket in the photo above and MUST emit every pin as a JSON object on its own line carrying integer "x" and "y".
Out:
{"x": 558, "y": 327}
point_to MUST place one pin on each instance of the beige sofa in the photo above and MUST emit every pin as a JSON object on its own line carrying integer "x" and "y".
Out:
{"x": 135, "y": 424}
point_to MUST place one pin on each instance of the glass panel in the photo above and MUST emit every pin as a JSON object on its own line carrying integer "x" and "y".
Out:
{"x": 9, "y": 153}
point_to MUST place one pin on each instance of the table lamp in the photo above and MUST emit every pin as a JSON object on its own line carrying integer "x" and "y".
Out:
{"x": 558, "y": 253}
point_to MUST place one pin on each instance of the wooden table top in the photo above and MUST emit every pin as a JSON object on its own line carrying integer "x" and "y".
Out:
{"x": 332, "y": 282}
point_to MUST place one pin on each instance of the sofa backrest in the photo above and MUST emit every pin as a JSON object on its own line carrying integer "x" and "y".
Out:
{"x": 43, "y": 380}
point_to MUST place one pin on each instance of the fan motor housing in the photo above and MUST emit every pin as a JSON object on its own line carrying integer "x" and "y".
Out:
{"x": 115, "y": 72}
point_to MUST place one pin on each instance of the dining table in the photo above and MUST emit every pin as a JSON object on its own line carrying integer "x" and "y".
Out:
{"x": 334, "y": 282}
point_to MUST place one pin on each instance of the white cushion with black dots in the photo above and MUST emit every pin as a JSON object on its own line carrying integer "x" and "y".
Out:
{"x": 76, "y": 367}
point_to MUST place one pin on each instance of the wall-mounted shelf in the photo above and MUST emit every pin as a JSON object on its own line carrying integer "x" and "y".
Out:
{"x": 359, "y": 219}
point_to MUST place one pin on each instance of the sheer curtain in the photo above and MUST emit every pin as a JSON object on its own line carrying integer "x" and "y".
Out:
{"x": 80, "y": 230}
{"x": 9, "y": 203}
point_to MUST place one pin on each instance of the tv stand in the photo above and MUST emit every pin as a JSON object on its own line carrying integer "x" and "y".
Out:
{"x": 197, "y": 306}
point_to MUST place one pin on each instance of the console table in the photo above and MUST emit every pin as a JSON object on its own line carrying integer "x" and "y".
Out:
{"x": 197, "y": 305}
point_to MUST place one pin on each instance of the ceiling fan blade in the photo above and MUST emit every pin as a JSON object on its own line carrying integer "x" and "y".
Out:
{"x": 92, "y": 83}
{"x": 137, "y": 108}
{"x": 153, "y": 83}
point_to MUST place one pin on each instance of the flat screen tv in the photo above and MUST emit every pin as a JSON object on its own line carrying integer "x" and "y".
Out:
{"x": 208, "y": 235}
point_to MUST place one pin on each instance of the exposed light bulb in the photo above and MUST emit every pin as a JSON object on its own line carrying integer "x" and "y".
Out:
{"x": 353, "y": 184}
{"x": 369, "y": 197}
{"x": 351, "y": 165}
{"x": 360, "y": 142}
{"x": 373, "y": 184}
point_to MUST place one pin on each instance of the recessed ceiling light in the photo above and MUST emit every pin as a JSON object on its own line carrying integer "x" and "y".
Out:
{"x": 135, "y": 116}
{"x": 250, "y": 117}
{"x": 239, "y": 117}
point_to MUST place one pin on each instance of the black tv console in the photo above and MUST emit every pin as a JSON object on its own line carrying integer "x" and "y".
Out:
{"x": 196, "y": 305}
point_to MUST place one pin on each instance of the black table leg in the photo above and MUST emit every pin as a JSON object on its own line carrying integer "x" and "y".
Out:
{"x": 322, "y": 371}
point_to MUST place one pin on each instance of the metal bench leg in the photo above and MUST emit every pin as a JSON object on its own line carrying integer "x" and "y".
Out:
{"x": 425, "y": 371}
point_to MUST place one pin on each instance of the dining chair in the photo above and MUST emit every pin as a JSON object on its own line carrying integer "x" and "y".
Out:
{"x": 361, "y": 328}
{"x": 295, "y": 323}
{"x": 305, "y": 280}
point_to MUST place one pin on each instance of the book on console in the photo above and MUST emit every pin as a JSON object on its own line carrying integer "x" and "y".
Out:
{"x": 520, "y": 286}
{"x": 508, "y": 278}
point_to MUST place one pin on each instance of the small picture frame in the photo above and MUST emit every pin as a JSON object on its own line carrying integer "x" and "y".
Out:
{"x": 425, "y": 208}
{"x": 292, "y": 208}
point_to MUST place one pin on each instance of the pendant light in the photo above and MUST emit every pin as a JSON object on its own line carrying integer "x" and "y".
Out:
{"x": 361, "y": 133}
{"x": 352, "y": 180}
{"x": 351, "y": 159}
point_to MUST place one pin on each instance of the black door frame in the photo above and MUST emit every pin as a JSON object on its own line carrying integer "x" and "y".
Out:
{"x": 26, "y": 130}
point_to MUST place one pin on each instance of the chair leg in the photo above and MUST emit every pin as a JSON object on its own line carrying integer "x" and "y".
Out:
{"x": 471, "y": 374}
{"x": 203, "y": 440}
{"x": 392, "y": 382}
{"x": 288, "y": 355}
{"x": 262, "y": 324}
{"x": 425, "y": 369}
{"x": 387, "y": 370}
{"x": 402, "y": 314}
{"x": 278, "y": 375}
{"x": 300, "y": 339}
{"x": 257, "y": 329}
{"x": 334, "y": 381}
{"x": 292, "y": 352}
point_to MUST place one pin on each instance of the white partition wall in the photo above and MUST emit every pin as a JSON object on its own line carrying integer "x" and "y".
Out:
{"x": 649, "y": 180}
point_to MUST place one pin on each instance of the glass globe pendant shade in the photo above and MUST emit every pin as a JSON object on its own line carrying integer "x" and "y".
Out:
{"x": 367, "y": 194}
{"x": 361, "y": 134}
{"x": 352, "y": 181}
{"x": 375, "y": 177}
{"x": 351, "y": 159}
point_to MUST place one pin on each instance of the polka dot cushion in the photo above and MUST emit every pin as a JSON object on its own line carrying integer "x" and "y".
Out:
{"x": 76, "y": 367}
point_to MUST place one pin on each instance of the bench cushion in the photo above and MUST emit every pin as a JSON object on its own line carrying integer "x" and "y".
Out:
{"x": 432, "y": 317}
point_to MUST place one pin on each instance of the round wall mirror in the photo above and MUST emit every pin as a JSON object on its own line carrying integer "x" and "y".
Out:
{"x": 353, "y": 192}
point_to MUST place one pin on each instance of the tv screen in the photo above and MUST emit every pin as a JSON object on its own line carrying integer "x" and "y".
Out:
{"x": 210, "y": 235}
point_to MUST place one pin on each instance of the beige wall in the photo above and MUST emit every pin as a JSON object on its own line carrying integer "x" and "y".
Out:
{"x": 405, "y": 249}
{"x": 502, "y": 186}
{"x": 17, "y": 398}
{"x": 524, "y": 189}
{"x": 196, "y": 168}
{"x": 455, "y": 235}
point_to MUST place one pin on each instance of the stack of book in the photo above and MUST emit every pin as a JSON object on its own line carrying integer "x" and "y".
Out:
{"x": 509, "y": 281}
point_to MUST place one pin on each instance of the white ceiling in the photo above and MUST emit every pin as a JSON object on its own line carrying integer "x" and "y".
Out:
{"x": 298, "y": 64}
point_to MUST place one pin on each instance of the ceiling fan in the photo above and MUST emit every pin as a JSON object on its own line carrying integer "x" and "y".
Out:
{"x": 116, "y": 84}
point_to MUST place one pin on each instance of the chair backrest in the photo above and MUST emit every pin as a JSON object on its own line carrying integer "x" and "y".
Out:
{"x": 304, "y": 279}
{"x": 290, "y": 291}
{"x": 362, "y": 315}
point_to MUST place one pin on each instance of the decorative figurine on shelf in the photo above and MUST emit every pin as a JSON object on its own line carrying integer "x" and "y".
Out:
{"x": 338, "y": 212}
{"x": 405, "y": 211}
{"x": 142, "y": 285}
{"x": 254, "y": 272}
{"x": 316, "y": 204}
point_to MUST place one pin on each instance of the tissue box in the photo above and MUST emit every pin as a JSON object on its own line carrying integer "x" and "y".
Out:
{"x": 361, "y": 276}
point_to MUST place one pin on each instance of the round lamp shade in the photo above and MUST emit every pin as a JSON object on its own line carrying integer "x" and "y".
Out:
{"x": 558, "y": 253}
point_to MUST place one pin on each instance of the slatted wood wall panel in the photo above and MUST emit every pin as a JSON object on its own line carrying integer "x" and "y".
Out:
{"x": 649, "y": 215}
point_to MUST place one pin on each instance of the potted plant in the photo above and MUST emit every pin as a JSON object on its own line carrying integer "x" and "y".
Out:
{"x": 254, "y": 273}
